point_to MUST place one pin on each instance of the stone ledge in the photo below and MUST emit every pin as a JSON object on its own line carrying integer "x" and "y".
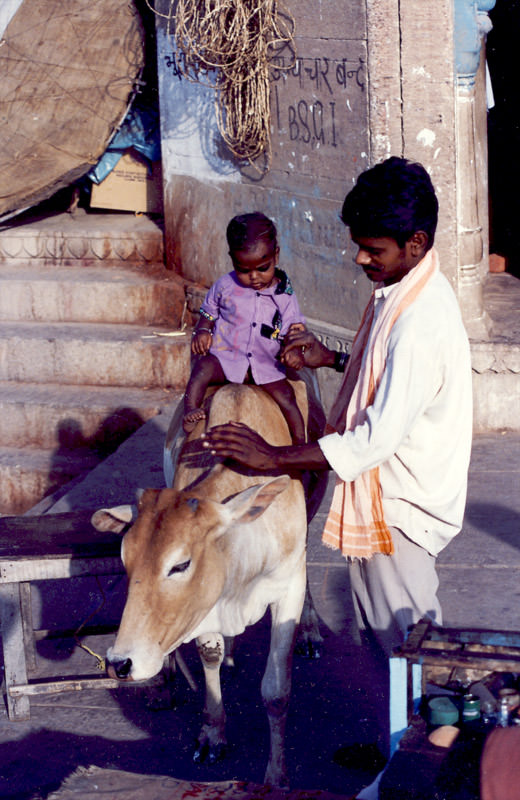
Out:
{"x": 495, "y": 357}
{"x": 89, "y": 238}
{"x": 333, "y": 336}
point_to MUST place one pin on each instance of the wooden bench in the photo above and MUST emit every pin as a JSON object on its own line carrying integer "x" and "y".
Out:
{"x": 49, "y": 547}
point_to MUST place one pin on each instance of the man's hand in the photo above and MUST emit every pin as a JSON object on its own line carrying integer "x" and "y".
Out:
{"x": 235, "y": 440}
{"x": 310, "y": 350}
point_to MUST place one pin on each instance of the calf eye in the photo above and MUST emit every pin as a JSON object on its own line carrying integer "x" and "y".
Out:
{"x": 179, "y": 568}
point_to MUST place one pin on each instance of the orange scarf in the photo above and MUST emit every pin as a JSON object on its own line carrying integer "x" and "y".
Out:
{"x": 356, "y": 524}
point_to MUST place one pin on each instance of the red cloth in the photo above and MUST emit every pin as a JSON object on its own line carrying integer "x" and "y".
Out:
{"x": 500, "y": 765}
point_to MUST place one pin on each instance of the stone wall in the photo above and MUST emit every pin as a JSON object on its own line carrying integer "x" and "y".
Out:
{"x": 320, "y": 144}
{"x": 373, "y": 78}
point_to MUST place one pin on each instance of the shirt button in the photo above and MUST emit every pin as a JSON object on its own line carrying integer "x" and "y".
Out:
{"x": 249, "y": 355}
{"x": 253, "y": 324}
{"x": 258, "y": 294}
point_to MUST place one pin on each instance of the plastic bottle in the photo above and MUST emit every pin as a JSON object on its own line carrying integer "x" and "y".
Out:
{"x": 503, "y": 713}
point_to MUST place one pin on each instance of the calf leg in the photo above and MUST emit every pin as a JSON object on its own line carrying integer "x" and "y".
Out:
{"x": 212, "y": 737}
{"x": 309, "y": 636}
{"x": 276, "y": 683}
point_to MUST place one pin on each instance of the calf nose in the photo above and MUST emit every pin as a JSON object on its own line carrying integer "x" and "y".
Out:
{"x": 120, "y": 668}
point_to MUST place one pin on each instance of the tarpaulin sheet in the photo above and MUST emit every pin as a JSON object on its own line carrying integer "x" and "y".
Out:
{"x": 68, "y": 72}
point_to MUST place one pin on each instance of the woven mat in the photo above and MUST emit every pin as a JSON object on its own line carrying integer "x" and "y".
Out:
{"x": 92, "y": 783}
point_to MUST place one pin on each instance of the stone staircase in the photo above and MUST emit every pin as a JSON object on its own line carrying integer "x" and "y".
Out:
{"x": 90, "y": 345}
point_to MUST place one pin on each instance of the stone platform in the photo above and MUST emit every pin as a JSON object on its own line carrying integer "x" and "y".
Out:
{"x": 496, "y": 361}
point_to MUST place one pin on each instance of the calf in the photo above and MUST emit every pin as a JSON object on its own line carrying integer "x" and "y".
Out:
{"x": 206, "y": 558}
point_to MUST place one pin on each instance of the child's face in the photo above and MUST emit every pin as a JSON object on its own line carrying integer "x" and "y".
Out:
{"x": 254, "y": 267}
{"x": 383, "y": 261}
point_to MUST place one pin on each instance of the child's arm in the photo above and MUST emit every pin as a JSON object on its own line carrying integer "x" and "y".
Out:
{"x": 202, "y": 336}
{"x": 294, "y": 358}
{"x": 209, "y": 311}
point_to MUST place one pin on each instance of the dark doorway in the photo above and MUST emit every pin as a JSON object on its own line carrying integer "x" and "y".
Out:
{"x": 504, "y": 133}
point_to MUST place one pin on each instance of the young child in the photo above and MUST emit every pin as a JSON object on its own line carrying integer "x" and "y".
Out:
{"x": 243, "y": 319}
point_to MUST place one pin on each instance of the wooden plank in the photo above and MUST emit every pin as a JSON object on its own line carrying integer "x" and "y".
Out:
{"x": 51, "y": 535}
{"x": 56, "y": 568}
{"x": 27, "y": 626}
{"x": 416, "y": 637}
{"x": 14, "y": 653}
{"x": 496, "y": 664}
{"x": 65, "y": 685}
{"x": 491, "y": 638}
{"x": 79, "y": 684}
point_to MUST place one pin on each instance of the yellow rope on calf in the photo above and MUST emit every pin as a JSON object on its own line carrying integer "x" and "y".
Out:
{"x": 101, "y": 665}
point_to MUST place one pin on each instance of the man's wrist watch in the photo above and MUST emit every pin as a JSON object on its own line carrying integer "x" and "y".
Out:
{"x": 340, "y": 360}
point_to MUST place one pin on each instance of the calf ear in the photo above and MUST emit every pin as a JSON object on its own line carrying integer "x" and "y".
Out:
{"x": 251, "y": 503}
{"x": 115, "y": 519}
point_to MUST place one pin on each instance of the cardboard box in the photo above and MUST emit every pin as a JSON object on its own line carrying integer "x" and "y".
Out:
{"x": 131, "y": 186}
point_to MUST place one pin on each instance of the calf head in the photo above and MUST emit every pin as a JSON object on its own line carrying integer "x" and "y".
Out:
{"x": 175, "y": 558}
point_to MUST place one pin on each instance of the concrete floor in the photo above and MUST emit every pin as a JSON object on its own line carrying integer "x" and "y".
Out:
{"x": 137, "y": 730}
{"x": 333, "y": 702}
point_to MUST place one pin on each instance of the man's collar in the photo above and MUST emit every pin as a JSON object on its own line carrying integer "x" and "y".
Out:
{"x": 381, "y": 291}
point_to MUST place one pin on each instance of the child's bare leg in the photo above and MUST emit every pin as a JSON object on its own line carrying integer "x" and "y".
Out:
{"x": 206, "y": 372}
{"x": 283, "y": 393}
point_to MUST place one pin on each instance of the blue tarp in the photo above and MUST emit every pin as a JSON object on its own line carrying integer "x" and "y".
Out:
{"x": 140, "y": 130}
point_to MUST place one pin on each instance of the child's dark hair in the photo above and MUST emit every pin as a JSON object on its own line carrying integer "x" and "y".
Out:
{"x": 245, "y": 230}
{"x": 394, "y": 199}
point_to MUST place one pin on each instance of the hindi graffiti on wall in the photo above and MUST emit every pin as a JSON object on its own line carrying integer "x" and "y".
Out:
{"x": 317, "y": 105}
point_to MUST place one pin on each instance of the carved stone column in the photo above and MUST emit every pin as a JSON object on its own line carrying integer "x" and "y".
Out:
{"x": 471, "y": 23}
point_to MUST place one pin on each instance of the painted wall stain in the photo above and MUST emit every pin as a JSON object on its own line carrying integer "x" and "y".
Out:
{"x": 426, "y": 137}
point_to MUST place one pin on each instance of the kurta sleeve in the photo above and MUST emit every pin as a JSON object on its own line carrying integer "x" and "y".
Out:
{"x": 409, "y": 383}
{"x": 211, "y": 304}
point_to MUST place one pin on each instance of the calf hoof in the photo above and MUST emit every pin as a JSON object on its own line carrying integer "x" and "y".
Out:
{"x": 200, "y": 753}
{"x": 309, "y": 650}
{"x": 211, "y": 753}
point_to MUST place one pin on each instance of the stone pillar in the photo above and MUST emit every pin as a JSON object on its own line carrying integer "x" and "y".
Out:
{"x": 471, "y": 23}
{"x": 427, "y": 103}
{"x": 384, "y": 71}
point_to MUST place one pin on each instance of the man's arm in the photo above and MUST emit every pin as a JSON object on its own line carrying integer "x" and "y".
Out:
{"x": 244, "y": 445}
{"x": 239, "y": 442}
{"x": 315, "y": 354}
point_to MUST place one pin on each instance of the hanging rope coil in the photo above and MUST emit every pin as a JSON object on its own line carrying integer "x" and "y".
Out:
{"x": 229, "y": 45}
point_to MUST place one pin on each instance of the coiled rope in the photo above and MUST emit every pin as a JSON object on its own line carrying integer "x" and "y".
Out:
{"x": 229, "y": 45}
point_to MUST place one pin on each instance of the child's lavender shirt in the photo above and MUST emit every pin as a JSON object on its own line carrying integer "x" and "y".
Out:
{"x": 248, "y": 325}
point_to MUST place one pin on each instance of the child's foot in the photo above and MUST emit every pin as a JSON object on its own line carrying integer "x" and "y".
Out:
{"x": 191, "y": 418}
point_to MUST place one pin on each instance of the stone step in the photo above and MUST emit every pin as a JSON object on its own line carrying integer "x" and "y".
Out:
{"x": 149, "y": 294}
{"x": 84, "y": 237}
{"x": 94, "y": 355}
{"x": 75, "y": 417}
{"x": 27, "y": 474}
{"x": 87, "y": 310}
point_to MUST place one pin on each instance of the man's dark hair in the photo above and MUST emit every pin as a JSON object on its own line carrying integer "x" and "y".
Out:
{"x": 394, "y": 199}
{"x": 246, "y": 229}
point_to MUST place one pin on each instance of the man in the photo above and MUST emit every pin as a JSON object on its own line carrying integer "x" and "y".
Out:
{"x": 401, "y": 425}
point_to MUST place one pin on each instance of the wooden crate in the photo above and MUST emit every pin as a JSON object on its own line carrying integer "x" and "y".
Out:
{"x": 435, "y": 654}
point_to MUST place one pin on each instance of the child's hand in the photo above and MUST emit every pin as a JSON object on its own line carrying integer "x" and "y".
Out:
{"x": 201, "y": 342}
{"x": 294, "y": 359}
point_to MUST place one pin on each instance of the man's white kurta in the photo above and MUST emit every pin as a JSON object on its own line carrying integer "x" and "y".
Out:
{"x": 419, "y": 427}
